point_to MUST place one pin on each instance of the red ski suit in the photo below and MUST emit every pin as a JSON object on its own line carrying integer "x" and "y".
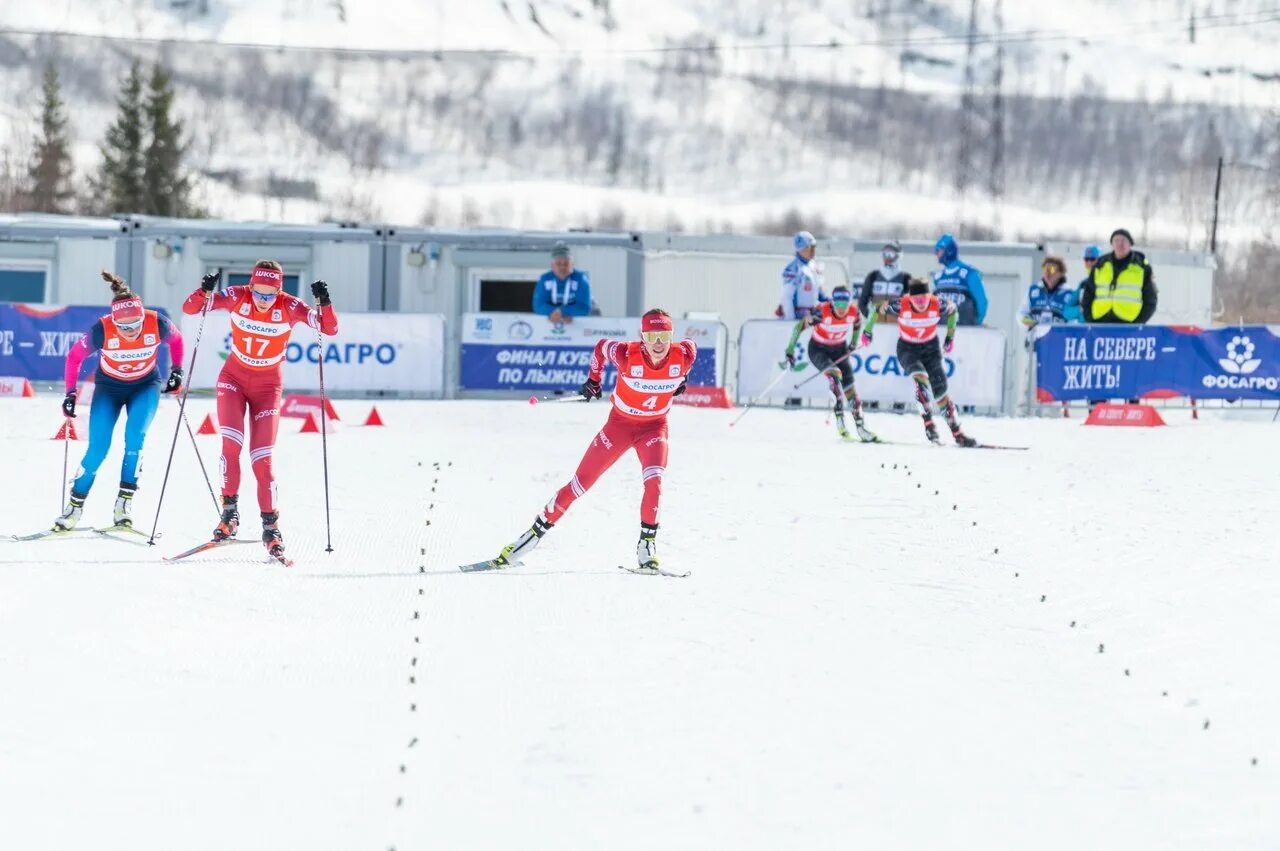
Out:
{"x": 638, "y": 420}
{"x": 251, "y": 380}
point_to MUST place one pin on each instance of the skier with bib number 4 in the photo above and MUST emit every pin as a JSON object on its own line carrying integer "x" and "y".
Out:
{"x": 651, "y": 373}
{"x": 251, "y": 382}
{"x": 127, "y": 342}
{"x": 919, "y": 313}
{"x": 835, "y": 328}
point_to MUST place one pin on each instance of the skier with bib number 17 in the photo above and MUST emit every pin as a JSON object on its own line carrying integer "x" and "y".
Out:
{"x": 651, "y": 373}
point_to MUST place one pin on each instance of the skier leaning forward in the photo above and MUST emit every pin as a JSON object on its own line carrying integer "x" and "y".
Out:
{"x": 919, "y": 312}
{"x": 835, "y": 327}
{"x": 262, "y": 318}
{"x": 127, "y": 342}
{"x": 651, "y": 373}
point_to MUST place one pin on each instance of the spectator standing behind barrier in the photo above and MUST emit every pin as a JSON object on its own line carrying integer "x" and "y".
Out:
{"x": 1091, "y": 255}
{"x": 1121, "y": 287}
{"x": 564, "y": 292}
{"x": 959, "y": 283}
{"x": 801, "y": 290}
{"x": 883, "y": 285}
{"x": 1049, "y": 300}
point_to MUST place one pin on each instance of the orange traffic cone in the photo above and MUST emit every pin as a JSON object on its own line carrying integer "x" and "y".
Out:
{"x": 311, "y": 425}
{"x": 27, "y": 392}
{"x": 67, "y": 430}
{"x": 374, "y": 418}
{"x": 207, "y": 427}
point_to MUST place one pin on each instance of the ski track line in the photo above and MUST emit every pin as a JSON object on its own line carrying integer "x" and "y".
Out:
{"x": 979, "y": 542}
{"x": 429, "y": 543}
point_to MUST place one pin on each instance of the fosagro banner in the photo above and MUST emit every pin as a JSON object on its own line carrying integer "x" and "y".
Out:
{"x": 1111, "y": 362}
{"x": 378, "y": 352}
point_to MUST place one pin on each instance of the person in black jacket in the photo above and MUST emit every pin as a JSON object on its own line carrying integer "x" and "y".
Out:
{"x": 883, "y": 285}
{"x": 1121, "y": 287}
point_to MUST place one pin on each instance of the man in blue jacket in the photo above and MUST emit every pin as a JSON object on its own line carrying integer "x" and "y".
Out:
{"x": 564, "y": 292}
{"x": 958, "y": 282}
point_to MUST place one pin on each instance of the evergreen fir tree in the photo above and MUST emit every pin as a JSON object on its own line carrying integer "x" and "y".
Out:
{"x": 49, "y": 187}
{"x": 168, "y": 187}
{"x": 119, "y": 187}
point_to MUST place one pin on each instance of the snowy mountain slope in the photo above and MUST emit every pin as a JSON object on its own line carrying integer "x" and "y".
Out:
{"x": 847, "y": 666}
{"x": 586, "y": 116}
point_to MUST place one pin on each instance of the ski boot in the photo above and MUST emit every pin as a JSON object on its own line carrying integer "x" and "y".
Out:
{"x": 931, "y": 432}
{"x": 122, "y": 515}
{"x": 526, "y": 542}
{"x": 230, "y": 522}
{"x": 841, "y": 429}
{"x": 271, "y": 537}
{"x": 961, "y": 438}
{"x": 647, "y": 549}
{"x": 69, "y": 518}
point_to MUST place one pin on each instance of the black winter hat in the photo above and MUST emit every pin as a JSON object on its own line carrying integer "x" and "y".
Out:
{"x": 1121, "y": 232}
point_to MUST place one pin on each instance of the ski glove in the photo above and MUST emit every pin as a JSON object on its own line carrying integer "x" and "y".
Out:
{"x": 320, "y": 290}
{"x": 174, "y": 384}
{"x": 209, "y": 282}
{"x": 69, "y": 405}
{"x": 590, "y": 389}
{"x": 865, "y": 339}
{"x": 948, "y": 345}
{"x": 790, "y": 357}
{"x": 684, "y": 385}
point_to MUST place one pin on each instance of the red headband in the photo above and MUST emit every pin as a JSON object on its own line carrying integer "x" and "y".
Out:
{"x": 270, "y": 277}
{"x": 126, "y": 311}
{"x": 656, "y": 322}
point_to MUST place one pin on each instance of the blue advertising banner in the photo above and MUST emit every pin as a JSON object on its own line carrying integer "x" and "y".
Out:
{"x": 518, "y": 351}
{"x": 1118, "y": 361}
{"x": 34, "y": 339}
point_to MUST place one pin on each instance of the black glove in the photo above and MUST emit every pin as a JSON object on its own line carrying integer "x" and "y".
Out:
{"x": 320, "y": 290}
{"x": 590, "y": 389}
{"x": 791, "y": 357}
{"x": 684, "y": 385}
{"x": 174, "y": 384}
{"x": 69, "y": 404}
{"x": 209, "y": 282}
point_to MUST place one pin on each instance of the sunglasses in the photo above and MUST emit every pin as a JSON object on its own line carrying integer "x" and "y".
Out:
{"x": 129, "y": 327}
{"x": 264, "y": 296}
{"x": 841, "y": 302}
{"x": 657, "y": 336}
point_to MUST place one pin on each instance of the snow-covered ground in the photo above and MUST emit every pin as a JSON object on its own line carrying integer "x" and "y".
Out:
{"x": 880, "y": 646}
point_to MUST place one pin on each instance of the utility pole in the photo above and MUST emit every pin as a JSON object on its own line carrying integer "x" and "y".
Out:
{"x": 1217, "y": 194}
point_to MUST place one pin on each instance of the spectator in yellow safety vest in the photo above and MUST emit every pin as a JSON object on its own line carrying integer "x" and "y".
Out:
{"x": 1121, "y": 287}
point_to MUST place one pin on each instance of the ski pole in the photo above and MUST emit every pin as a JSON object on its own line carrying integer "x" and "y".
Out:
{"x": 66, "y": 451}
{"x": 182, "y": 407}
{"x": 763, "y": 393}
{"x": 835, "y": 362}
{"x": 324, "y": 437}
{"x": 217, "y": 509}
{"x": 554, "y": 398}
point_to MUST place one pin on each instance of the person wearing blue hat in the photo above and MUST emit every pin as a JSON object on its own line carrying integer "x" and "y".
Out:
{"x": 959, "y": 283}
{"x": 801, "y": 290}
{"x": 1092, "y": 253}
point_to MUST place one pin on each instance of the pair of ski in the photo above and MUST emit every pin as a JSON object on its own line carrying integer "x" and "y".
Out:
{"x": 121, "y": 532}
{"x": 214, "y": 544}
{"x": 492, "y": 564}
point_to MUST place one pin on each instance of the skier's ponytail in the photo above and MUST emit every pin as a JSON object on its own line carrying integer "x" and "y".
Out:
{"x": 119, "y": 289}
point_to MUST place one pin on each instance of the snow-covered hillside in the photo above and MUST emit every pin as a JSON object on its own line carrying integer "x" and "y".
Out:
{"x": 888, "y": 646}
{"x": 695, "y": 115}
